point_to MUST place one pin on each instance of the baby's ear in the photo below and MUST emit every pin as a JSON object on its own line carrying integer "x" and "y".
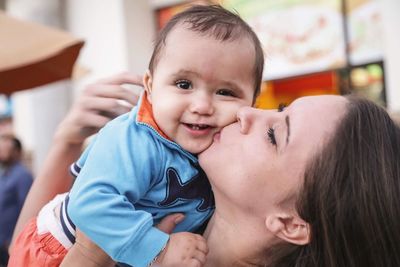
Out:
{"x": 289, "y": 227}
{"x": 148, "y": 83}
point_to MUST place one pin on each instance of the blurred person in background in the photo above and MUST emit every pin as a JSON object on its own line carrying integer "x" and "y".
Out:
{"x": 15, "y": 182}
{"x": 5, "y": 125}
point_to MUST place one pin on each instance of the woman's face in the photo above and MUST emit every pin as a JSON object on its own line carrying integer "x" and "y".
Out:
{"x": 262, "y": 157}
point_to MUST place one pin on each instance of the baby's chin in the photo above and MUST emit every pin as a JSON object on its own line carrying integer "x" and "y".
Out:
{"x": 197, "y": 147}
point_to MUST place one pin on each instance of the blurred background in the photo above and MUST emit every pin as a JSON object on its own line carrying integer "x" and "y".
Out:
{"x": 311, "y": 47}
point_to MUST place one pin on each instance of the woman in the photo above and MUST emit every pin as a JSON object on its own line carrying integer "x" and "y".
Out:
{"x": 323, "y": 192}
{"x": 314, "y": 185}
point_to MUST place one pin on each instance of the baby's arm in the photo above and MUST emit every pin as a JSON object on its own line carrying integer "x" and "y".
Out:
{"x": 183, "y": 249}
{"x": 113, "y": 178}
{"x": 85, "y": 253}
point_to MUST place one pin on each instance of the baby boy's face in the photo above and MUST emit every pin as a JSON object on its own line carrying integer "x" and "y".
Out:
{"x": 199, "y": 84}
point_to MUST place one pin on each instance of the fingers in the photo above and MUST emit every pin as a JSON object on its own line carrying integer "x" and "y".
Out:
{"x": 199, "y": 259}
{"x": 184, "y": 249}
{"x": 96, "y": 105}
{"x": 169, "y": 222}
{"x": 110, "y": 107}
{"x": 121, "y": 78}
{"x": 113, "y": 87}
{"x": 199, "y": 255}
{"x": 111, "y": 91}
{"x": 93, "y": 120}
{"x": 108, "y": 99}
{"x": 201, "y": 244}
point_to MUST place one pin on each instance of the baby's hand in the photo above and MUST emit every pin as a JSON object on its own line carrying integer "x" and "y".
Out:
{"x": 183, "y": 249}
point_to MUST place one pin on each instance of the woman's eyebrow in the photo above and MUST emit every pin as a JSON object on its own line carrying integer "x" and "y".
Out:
{"x": 287, "y": 120}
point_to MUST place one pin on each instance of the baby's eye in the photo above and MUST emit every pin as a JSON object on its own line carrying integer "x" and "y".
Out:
{"x": 183, "y": 84}
{"x": 226, "y": 92}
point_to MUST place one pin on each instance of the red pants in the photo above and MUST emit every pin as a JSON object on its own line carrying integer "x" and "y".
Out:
{"x": 33, "y": 250}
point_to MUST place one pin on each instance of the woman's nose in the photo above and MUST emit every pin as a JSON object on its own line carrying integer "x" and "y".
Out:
{"x": 248, "y": 117}
{"x": 245, "y": 117}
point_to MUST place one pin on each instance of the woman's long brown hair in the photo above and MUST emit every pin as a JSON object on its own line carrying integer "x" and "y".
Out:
{"x": 351, "y": 195}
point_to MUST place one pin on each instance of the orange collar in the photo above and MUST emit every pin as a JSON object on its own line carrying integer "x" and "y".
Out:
{"x": 145, "y": 115}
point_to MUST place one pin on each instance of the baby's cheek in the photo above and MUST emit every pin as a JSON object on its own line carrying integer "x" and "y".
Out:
{"x": 230, "y": 116}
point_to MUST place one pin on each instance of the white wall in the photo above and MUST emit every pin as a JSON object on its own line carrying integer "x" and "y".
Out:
{"x": 118, "y": 35}
{"x": 140, "y": 31}
{"x": 101, "y": 25}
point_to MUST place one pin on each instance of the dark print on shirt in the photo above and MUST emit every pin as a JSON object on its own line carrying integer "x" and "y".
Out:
{"x": 196, "y": 188}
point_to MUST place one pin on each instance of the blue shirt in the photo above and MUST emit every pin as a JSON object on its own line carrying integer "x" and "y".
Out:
{"x": 15, "y": 182}
{"x": 132, "y": 176}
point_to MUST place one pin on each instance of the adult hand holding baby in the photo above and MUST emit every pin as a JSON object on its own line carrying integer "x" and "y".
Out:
{"x": 99, "y": 103}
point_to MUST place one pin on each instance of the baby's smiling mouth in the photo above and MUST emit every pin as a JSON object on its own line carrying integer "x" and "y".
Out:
{"x": 197, "y": 127}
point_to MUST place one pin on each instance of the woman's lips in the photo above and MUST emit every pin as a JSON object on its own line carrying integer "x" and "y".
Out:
{"x": 217, "y": 136}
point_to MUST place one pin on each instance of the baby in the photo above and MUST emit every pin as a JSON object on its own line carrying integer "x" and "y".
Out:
{"x": 142, "y": 166}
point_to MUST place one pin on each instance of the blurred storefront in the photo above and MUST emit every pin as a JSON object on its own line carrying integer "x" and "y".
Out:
{"x": 312, "y": 46}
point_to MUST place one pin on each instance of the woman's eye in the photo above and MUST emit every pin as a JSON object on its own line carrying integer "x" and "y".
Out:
{"x": 271, "y": 136}
{"x": 183, "y": 84}
{"x": 226, "y": 92}
{"x": 281, "y": 107}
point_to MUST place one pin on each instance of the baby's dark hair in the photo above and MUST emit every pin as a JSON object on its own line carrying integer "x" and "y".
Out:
{"x": 215, "y": 21}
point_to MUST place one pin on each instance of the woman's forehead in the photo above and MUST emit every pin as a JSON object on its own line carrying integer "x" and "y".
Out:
{"x": 317, "y": 109}
{"x": 314, "y": 118}
{"x": 320, "y": 101}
